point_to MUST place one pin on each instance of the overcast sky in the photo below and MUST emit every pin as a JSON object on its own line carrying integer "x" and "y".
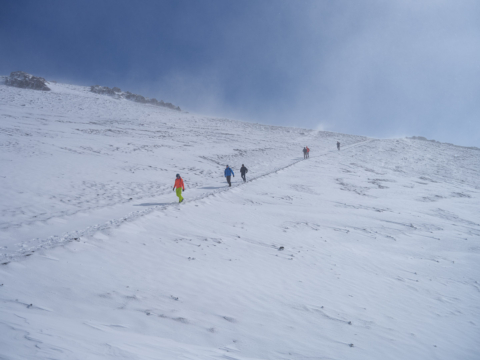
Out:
{"x": 377, "y": 68}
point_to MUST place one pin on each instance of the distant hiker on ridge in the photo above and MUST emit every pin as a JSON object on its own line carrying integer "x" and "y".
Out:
{"x": 304, "y": 152}
{"x": 179, "y": 186}
{"x": 308, "y": 152}
{"x": 338, "y": 145}
{"x": 228, "y": 174}
{"x": 243, "y": 171}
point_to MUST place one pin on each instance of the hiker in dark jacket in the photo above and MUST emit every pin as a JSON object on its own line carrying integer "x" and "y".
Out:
{"x": 338, "y": 145}
{"x": 243, "y": 171}
{"x": 228, "y": 174}
{"x": 304, "y": 152}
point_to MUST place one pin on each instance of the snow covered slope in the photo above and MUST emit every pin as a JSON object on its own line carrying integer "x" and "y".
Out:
{"x": 381, "y": 240}
{"x": 72, "y": 159}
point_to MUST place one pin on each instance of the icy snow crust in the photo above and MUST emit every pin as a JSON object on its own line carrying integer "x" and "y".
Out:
{"x": 381, "y": 239}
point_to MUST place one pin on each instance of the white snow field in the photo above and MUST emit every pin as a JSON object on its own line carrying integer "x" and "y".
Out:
{"x": 381, "y": 240}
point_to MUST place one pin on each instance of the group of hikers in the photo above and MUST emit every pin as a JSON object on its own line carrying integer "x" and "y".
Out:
{"x": 306, "y": 152}
{"x": 179, "y": 186}
{"x": 228, "y": 173}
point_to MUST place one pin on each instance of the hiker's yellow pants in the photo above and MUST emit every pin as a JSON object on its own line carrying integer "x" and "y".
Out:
{"x": 179, "y": 194}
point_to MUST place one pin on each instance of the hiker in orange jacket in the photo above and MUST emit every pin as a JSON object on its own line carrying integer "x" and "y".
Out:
{"x": 179, "y": 186}
{"x": 308, "y": 152}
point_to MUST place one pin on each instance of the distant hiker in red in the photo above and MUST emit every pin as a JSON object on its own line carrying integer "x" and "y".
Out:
{"x": 179, "y": 186}
{"x": 308, "y": 151}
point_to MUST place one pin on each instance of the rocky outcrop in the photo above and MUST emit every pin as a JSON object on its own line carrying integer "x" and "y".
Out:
{"x": 104, "y": 90}
{"x": 171, "y": 106}
{"x": 119, "y": 94}
{"x": 26, "y": 81}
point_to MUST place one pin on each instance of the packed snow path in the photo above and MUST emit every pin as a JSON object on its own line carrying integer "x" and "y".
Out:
{"x": 29, "y": 247}
{"x": 370, "y": 252}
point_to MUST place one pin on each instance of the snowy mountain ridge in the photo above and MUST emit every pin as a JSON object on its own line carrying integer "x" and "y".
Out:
{"x": 370, "y": 252}
{"x": 439, "y": 142}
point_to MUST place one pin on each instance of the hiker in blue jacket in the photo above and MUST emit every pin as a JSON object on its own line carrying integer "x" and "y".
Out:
{"x": 228, "y": 174}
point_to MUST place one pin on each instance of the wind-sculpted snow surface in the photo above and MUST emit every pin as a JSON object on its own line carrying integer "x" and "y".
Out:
{"x": 370, "y": 252}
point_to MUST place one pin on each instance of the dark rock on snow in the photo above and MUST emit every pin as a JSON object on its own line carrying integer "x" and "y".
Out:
{"x": 105, "y": 90}
{"x": 26, "y": 81}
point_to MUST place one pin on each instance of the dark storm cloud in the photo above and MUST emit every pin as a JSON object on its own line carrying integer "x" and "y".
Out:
{"x": 379, "y": 68}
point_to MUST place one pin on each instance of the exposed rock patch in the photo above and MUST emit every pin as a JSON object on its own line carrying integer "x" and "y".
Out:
{"x": 119, "y": 94}
{"x": 103, "y": 90}
{"x": 26, "y": 81}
